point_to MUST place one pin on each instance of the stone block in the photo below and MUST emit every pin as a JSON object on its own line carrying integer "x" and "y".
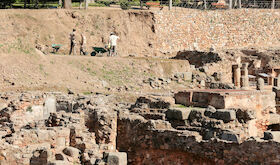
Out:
{"x": 196, "y": 114}
{"x": 49, "y": 106}
{"x": 183, "y": 98}
{"x": 60, "y": 142}
{"x": 207, "y": 134}
{"x": 274, "y": 119}
{"x": 277, "y": 91}
{"x": 252, "y": 128}
{"x": 187, "y": 76}
{"x": 210, "y": 110}
{"x": 272, "y": 135}
{"x": 45, "y": 135}
{"x": 59, "y": 162}
{"x": 35, "y": 113}
{"x": 229, "y": 136}
{"x": 116, "y": 158}
{"x": 160, "y": 124}
{"x": 177, "y": 114}
{"x": 59, "y": 157}
{"x": 71, "y": 151}
{"x": 225, "y": 115}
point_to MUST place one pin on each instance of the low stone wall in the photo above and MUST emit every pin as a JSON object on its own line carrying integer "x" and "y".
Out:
{"x": 145, "y": 145}
{"x": 226, "y": 99}
{"x": 187, "y": 29}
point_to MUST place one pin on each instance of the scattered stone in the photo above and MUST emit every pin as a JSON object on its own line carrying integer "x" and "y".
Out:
{"x": 272, "y": 135}
{"x": 71, "y": 151}
{"x": 116, "y": 158}
{"x": 59, "y": 157}
{"x": 229, "y": 136}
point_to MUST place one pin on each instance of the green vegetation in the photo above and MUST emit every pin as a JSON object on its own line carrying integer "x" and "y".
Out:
{"x": 20, "y": 47}
{"x": 125, "y": 4}
{"x": 29, "y": 109}
{"x": 41, "y": 67}
{"x": 97, "y": 5}
{"x": 6, "y": 3}
{"x": 87, "y": 93}
{"x": 180, "y": 106}
{"x": 92, "y": 73}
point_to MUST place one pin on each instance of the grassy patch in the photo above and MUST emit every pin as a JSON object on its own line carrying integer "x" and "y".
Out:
{"x": 20, "y": 46}
{"x": 180, "y": 106}
{"x": 87, "y": 93}
{"x": 41, "y": 67}
{"x": 92, "y": 73}
{"x": 117, "y": 76}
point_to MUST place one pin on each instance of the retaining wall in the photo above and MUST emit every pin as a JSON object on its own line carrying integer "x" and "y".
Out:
{"x": 188, "y": 29}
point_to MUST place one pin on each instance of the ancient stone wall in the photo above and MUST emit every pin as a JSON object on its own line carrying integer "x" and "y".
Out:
{"x": 220, "y": 29}
{"x": 145, "y": 144}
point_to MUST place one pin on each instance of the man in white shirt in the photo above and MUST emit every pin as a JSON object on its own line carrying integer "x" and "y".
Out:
{"x": 113, "y": 44}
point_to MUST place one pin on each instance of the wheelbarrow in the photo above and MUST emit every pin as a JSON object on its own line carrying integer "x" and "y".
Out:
{"x": 98, "y": 51}
{"x": 56, "y": 47}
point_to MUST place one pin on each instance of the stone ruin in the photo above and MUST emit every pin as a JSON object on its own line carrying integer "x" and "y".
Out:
{"x": 206, "y": 126}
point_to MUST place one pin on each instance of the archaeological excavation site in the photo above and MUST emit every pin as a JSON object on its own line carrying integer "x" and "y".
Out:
{"x": 186, "y": 87}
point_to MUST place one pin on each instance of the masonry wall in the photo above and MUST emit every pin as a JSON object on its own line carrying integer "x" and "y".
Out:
{"x": 146, "y": 146}
{"x": 186, "y": 29}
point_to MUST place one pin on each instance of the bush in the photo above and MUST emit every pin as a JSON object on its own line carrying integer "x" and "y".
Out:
{"x": 125, "y": 5}
{"x": 105, "y": 2}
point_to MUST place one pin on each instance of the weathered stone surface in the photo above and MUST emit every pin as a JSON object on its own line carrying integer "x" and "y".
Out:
{"x": 160, "y": 124}
{"x": 49, "y": 106}
{"x": 210, "y": 110}
{"x": 272, "y": 135}
{"x": 71, "y": 151}
{"x": 60, "y": 142}
{"x": 40, "y": 157}
{"x": 187, "y": 76}
{"x": 117, "y": 158}
{"x": 59, "y": 157}
{"x": 59, "y": 162}
{"x": 260, "y": 84}
{"x": 178, "y": 114}
{"x": 229, "y": 136}
{"x": 274, "y": 119}
{"x": 225, "y": 115}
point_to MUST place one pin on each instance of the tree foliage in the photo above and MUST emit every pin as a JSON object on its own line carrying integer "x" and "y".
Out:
{"x": 5, "y": 3}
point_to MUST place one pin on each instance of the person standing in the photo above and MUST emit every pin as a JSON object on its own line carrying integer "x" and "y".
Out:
{"x": 113, "y": 44}
{"x": 83, "y": 45}
{"x": 73, "y": 42}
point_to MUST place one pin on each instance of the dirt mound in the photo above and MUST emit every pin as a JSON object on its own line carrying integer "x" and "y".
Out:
{"x": 82, "y": 73}
{"x": 22, "y": 30}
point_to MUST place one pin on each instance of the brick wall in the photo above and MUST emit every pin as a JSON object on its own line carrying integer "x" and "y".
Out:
{"x": 221, "y": 29}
